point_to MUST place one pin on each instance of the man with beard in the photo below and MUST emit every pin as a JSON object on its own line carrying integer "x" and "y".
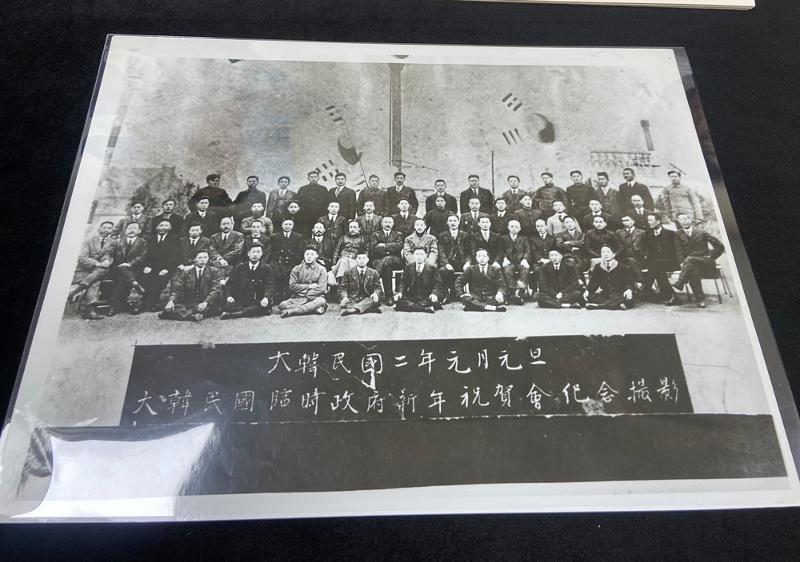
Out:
{"x": 227, "y": 246}
{"x": 349, "y": 246}
{"x": 440, "y": 189}
{"x": 373, "y": 193}
{"x": 558, "y": 284}
{"x": 218, "y": 198}
{"x": 323, "y": 244}
{"x": 249, "y": 290}
{"x": 127, "y": 257}
{"x": 454, "y": 248}
{"x": 386, "y": 248}
{"x": 94, "y": 262}
{"x": 421, "y": 287}
{"x": 164, "y": 255}
{"x": 486, "y": 286}
{"x": 397, "y": 192}
{"x": 313, "y": 200}
{"x": 195, "y": 292}
{"x": 279, "y": 199}
{"x": 360, "y": 288}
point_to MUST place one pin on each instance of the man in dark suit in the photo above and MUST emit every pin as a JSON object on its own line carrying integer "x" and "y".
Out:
{"x": 440, "y": 189}
{"x": 192, "y": 243}
{"x": 421, "y": 287}
{"x": 436, "y": 218}
{"x": 94, "y": 262}
{"x": 660, "y": 259}
{"x": 397, "y": 192}
{"x": 470, "y": 219}
{"x": 368, "y": 221}
{"x": 168, "y": 212}
{"x": 487, "y": 240}
{"x": 607, "y": 195}
{"x": 135, "y": 214}
{"x": 127, "y": 255}
{"x": 245, "y": 199}
{"x": 558, "y": 284}
{"x": 203, "y": 216}
{"x": 578, "y": 194}
{"x": 164, "y": 255}
{"x": 386, "y": 249}
{"x": 610, "y": 284}
{"x": 313, "y": 200}
{"x": 698, "y": 252}
{"x": 286, "y": 251}
{"x": 344, "y": 196}
{"x": 486, "y": 286}
{"x": 600, "y": 235}
{"x": 454, "y": 248}
{"x": 257, "y": 237}
{"x": 515, "y": 253}
{"x": 374, "y": 193}
{"x": 638, "y": 212}
{"x": 541, "y": 244}
{"x": 335, "y": 224}
{"x": 631, "y": 187}
{"x": 404, "y": 219}
{"x": 195, "y": 292}
{"x": 631, "y": 249}
{"x": 484, "y": 196}
{"x": 527, "y": 215}
{"x": 569, "y": 243}
{"x": 227, "y": 247}
{"x": 596, "y": 210}
{"x": 218, "y": 198}
{"x": 500, "y": 217}
{"x": 360, "y": 288}
{"x": 249, "y": 290}
{"x": 513, "y": 195}
{"x": 323, "y": 244}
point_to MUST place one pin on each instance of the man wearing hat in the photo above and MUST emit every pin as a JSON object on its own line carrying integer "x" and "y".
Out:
{"x": 218, "y": 198}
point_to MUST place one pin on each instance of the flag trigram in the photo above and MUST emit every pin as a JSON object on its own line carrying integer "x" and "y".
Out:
{"x": 327, "y": 170}
{"x": 512, "y": 136}
{"x": 335, "y": 113}
{"x": 512, "y": 102}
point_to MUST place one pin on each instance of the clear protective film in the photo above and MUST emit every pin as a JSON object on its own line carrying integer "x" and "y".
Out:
{"x": 313, "y": 279}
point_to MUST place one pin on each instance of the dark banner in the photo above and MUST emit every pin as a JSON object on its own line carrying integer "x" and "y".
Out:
{"x": 406, "y": 380}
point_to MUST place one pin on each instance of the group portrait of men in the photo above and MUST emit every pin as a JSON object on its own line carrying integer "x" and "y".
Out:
{"x": 291, "y": 252}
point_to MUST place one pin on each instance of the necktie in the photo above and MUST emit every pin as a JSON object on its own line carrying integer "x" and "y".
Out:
{"x": 287, "y": 235}
{"x": 194, "y": 241}
{"x": 199, "y": 273}
{"x": 252, "y": 267}
{"x": 160, "y": 238}
{"x": 224, "y": 238}
{"x": 556, "y": 267}
{"x": 483, "y": 269}
{"x": 102, "y": 243}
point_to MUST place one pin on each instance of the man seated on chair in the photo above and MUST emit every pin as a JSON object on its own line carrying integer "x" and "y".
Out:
{"x": 421, "y": 239}
{"x": 515, "y": 253}
{"x": 192, "y": 243}
{"x": 335, "y": 224}
{"x": 323, "y": 244}
{"x": 164, "y": 255}
{"x": 454, "y": 248}
{"x": 349, "y": 246}
{"x": 227, "y": 246}
{"x": 558, "y": 284}
{"x": 541, "y": 244}
{"x": 660, "y": 258}
{"x": 570, "y": 244}
{"x": 360, "y": 288}
{"x": 421, "y": 287}
{"x": 195, "y": 292}
{"x": 386, "y": 250}
{"x": 697, "y": 252}
{"x": 486, "y": 285}
{"x": 631, "y": 249}
{"x": 610, "y": 283}
{"x": 127, "y": 258}
{"x": 94, "y": 262}
{"x": 250, "y": 289}
{"x": 308, "y": 283}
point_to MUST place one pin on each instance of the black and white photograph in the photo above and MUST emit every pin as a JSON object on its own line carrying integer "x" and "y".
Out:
{"x": 318, "y": 279}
